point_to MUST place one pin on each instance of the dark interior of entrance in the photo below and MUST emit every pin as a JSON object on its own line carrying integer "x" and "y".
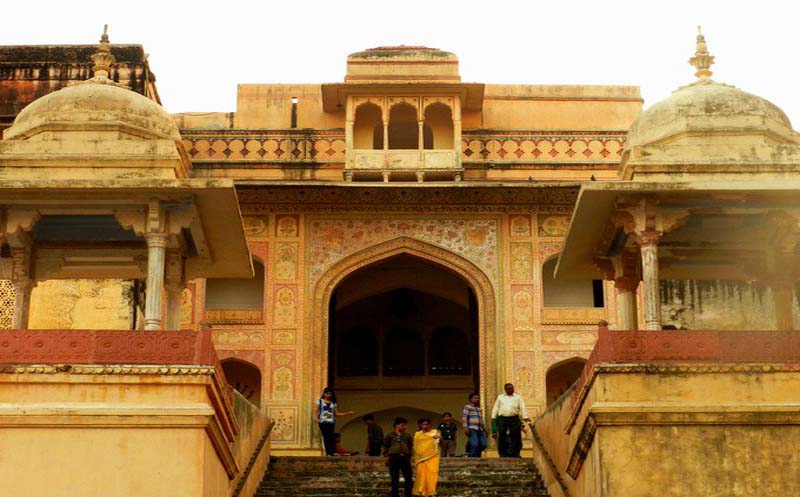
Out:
{"x": 403, "y": 341}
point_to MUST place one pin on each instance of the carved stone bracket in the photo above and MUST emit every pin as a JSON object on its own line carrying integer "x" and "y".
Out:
{"x": 635, "y": 216}
{"x": 17, "y": 223}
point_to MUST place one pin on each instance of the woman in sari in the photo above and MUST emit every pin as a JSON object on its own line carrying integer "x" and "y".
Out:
{"x": 426, "y": 459}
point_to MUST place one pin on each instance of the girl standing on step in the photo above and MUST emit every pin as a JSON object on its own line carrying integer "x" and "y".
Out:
{"x": 426, "y": 458}
{"x": 325, "y": 412}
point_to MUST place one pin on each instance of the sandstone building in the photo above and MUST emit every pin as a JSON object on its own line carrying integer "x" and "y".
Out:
{"x": 408, "y": 238}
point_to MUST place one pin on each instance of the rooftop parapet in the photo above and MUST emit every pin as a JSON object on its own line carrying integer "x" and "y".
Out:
{"x": 406, "y": 64}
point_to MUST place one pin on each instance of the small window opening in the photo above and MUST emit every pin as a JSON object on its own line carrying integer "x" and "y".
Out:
{"x": 294, "y": 112}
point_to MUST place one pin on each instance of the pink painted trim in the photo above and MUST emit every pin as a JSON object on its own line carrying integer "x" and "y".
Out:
{"x": 690, "y": 347}
{"x": 107, "y": 347}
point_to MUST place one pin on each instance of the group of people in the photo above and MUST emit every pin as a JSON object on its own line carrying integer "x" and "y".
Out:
{"x": 423, "y": 450}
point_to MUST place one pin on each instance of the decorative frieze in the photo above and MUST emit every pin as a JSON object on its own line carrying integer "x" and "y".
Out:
{"x": 573, "y": 315}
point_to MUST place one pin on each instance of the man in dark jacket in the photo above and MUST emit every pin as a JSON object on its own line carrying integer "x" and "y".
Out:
{"x": 397, "y": 447}
{"x": 374, "y": 436}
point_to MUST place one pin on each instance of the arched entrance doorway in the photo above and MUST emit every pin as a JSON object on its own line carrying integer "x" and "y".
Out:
{"x": 490, "y": 359}
{"x": 561, "y": 376}
{"x": 402, "y": 332}
{"x": 243, "y": 377}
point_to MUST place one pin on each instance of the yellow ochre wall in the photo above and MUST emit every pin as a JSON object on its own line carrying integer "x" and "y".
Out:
{"x": 108, "y": 434}
{"x": 505, "y": 107}
{"x": 668, "y": 422}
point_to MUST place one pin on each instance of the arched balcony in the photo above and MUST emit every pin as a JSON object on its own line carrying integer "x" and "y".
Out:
{"x": 439, "y": 125}
{"x": 368, "y": 127}
{"x": 403, "y": 139}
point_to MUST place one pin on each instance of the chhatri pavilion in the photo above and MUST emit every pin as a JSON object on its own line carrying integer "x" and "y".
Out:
{"x": 178, "y": 289}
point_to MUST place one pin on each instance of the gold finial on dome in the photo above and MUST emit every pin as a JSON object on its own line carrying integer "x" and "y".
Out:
{"x": 102, "y": 58}
{"x": 702, "y": 60}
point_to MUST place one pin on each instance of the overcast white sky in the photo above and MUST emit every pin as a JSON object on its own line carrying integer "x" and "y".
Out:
{"x": 200, "y": 50}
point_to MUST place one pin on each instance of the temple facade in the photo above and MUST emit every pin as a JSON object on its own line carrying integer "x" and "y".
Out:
{"x": 404, "y": 227}
{"x": 399, "y": 235}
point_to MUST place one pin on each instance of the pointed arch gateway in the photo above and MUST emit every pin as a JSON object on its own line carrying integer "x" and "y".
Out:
{"x": 491, "y": 359}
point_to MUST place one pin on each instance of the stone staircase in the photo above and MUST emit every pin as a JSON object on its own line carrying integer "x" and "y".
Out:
{"x": 369, "y": 477}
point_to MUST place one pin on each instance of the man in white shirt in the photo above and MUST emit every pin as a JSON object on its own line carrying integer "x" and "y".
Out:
{"x": 508, "y": 409}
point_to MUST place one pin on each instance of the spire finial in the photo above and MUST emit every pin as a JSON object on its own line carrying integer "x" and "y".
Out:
{"x": 102, "y": 58}
{"x": 702, "y": 60}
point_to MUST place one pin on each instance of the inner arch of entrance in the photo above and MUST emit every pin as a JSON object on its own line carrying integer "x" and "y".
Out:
{"x": 490, "y": 359}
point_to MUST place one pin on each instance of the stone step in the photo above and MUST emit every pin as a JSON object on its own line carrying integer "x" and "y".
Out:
{"x": 368, "y": 477}
{"x": 475, "y": 481}
{"x": 384, "y": 492}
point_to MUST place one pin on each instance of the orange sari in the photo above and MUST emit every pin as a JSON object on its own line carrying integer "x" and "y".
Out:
{"x": 426, "y": 460}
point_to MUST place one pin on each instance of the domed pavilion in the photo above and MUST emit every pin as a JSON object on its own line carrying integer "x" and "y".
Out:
{"x": 710, "y": 194}
{"x": 101, "y": 179}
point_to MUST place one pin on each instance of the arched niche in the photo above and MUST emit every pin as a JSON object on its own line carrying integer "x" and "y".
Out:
{"x": 569, "y": 293}
{"x": 439, "y": 123}
{"x": 403, "y": 353}
{"x": 354, "y": 432}
{"x": 443, "y": 355}
{"x": 561, "y": 376}
{"x": 368, "y": 127}
{"x": 237, "y": 293}
{"x": 244, "y": 377}
{"x": 362, "y": 348}
{"x": 403, "y": 127}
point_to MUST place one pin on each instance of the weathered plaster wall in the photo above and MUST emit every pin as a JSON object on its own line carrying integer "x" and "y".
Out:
{"x": 717, "y": 305}
{"x": 700, "y": 461}
{"x": 701, "y": 430}
{"x": 558, "y": 446}
{"x": 103, "y": 434}
{"x": 82, "y": 304}
{"x": 558, "y": 107}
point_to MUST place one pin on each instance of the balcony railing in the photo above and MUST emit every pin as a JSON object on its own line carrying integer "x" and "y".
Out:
{"x": 385, "y": 163}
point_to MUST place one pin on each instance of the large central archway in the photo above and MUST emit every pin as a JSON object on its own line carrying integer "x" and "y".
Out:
{"x": 318, "y": 343}
{"x": 403, "y": 337}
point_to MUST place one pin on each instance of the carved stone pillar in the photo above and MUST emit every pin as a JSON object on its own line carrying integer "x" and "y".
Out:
{"x": 22, "y": 303}
{"x": 156, "y": 248}
{"x": 348, "y": 143}
{"x": 23, "y": 285}
{"x": 627, "y": 310}
{"x": 648, "y": 244}
{"x": 457, "y": 142}
{"x": 385, "y": 135}
{"x": 173, "y": 284}
{"x": 783, "y": 297}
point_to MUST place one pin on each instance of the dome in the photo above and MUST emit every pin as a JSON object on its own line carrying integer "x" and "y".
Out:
{"x": 708, "y": 106}
{"x": 94, "y": 105}
{"x": 710, "y": 131}
{"x": 94, "y": 130}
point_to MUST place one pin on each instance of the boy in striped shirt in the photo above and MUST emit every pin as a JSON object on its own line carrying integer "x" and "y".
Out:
{"x": 472, "y": 421}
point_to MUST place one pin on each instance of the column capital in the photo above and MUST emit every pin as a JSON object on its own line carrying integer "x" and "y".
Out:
{"x": 606, "y": 266}
{"x": 23, "y": 284}
{"x": 626, "y": 283}
{"x": 156, "y": 240}
{"x": 648, "y": 238}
